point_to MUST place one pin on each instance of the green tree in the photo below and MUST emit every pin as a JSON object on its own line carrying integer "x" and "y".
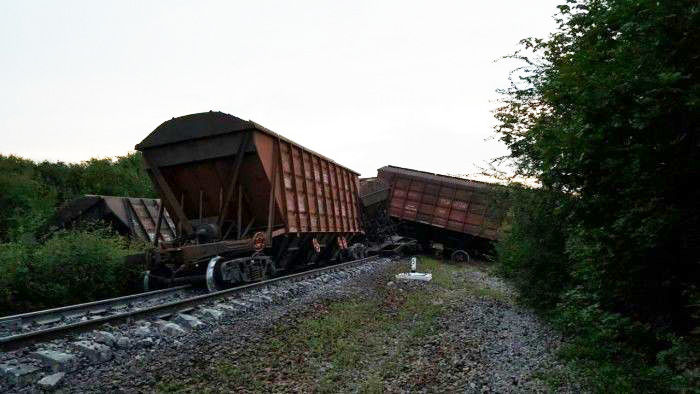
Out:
{"x": 121, "y": 177}
{"x": 39, "y": 270}
{"x": 604, "y": 113}
{"x": 533, "y": 253}
{"x": 25, "y": 202}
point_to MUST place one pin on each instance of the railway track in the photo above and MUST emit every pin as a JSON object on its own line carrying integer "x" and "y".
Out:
{"x": 38, "y": 323}
{"x": 22, "y": 330}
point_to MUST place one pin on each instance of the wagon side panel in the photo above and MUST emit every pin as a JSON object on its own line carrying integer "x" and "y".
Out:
{"x": 445, "y": 202}
{"x": 291, "y": 203}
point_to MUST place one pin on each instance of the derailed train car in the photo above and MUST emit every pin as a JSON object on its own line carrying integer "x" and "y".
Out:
{"x": 246, "y": 202}
{"x": 131, "y": 216}
{"x": 454, "y": 216}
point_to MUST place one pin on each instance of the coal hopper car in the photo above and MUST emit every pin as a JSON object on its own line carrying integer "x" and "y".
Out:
{"x": 453, "y": 216}
{"x": 247, "y": 203}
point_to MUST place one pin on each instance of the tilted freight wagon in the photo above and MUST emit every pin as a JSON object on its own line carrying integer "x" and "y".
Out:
{"x": 246, "y": 201}
{"x": 459, "y": 216}
{"x": 132, "y": 216}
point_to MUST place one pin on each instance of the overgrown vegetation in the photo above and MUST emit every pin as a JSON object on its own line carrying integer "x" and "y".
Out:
{"x": 604, "y": 115}
{"x": 41, "y": 269}
{"x": 70, "y": 267}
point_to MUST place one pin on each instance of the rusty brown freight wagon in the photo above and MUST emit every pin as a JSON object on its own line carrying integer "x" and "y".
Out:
{"x": 247, "y": 202}
{"x": 458, "y": 215}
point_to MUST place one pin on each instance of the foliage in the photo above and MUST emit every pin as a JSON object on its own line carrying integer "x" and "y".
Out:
{"x": 31, "y": 192}
{"x": 70, "y": 267}
{"x": 24, "y": 201}
{"x": 533, "y": 253}
{"x": 618, "y": 352}
{"x": 604, "y": 115}
{"x": 121, "y": 177}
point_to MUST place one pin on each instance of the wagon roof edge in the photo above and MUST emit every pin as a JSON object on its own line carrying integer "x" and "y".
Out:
{"x": 265, "y": 130}
{"x": 168, "y": 132}
{"x": 429, "y": 176}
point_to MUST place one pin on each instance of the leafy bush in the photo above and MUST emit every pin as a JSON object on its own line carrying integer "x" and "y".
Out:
{"x": 615, "y": 351}
{"x": 604, "y": 115}
{"x": 70, "y": 267}
{"x": 24, "y": 202}
{"x": 15, "y": 294}
{"x": 541, "y": 257}
{"x": 124, "y": 176}
{"x": 533, "y": 254}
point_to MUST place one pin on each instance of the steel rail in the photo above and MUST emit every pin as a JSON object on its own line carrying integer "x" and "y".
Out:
{"x": 166, "y": 309}
{"x": 87, "y": 305}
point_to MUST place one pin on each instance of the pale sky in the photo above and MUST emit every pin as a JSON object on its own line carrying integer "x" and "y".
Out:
{"x": 366, "y": 83}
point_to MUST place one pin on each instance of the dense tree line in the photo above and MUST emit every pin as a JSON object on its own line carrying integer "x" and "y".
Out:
{"x": 604, "y": 115}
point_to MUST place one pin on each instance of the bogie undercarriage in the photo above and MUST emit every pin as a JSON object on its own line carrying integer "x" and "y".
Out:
{"x": 235, "y": 266}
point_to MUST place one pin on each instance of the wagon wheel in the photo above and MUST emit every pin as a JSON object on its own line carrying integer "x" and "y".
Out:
{"x": 460, "y": 256}
{"x": 213, "y": 275}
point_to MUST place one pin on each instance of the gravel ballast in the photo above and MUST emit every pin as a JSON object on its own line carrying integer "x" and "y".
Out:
{"x": 356, "y": 330}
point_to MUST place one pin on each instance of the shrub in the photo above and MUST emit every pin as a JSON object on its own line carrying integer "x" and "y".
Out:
{"x": 70, "y": 267}
{"x": 15, "y": 296}
{"x": 533, "y": 254}
{"x": 545, "y": 258}
{"x": 24, "y": 202}
{"x": 604, "y": 115}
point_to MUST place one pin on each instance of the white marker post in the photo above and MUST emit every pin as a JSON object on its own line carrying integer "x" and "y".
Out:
{"x": 413, "y": 275}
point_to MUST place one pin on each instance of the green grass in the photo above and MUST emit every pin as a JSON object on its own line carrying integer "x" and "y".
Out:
{"x": 443, "y": 273}
{"x": 351, "y": 345}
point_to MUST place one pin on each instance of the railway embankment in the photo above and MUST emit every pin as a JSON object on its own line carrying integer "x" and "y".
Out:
{"x": 462, "y": 332}
{"x": 125, "y": 356}
{"x": 356, "y": 330}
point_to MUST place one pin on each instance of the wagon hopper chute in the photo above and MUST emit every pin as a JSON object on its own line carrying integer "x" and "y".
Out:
{"x": 246, "y": 201}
